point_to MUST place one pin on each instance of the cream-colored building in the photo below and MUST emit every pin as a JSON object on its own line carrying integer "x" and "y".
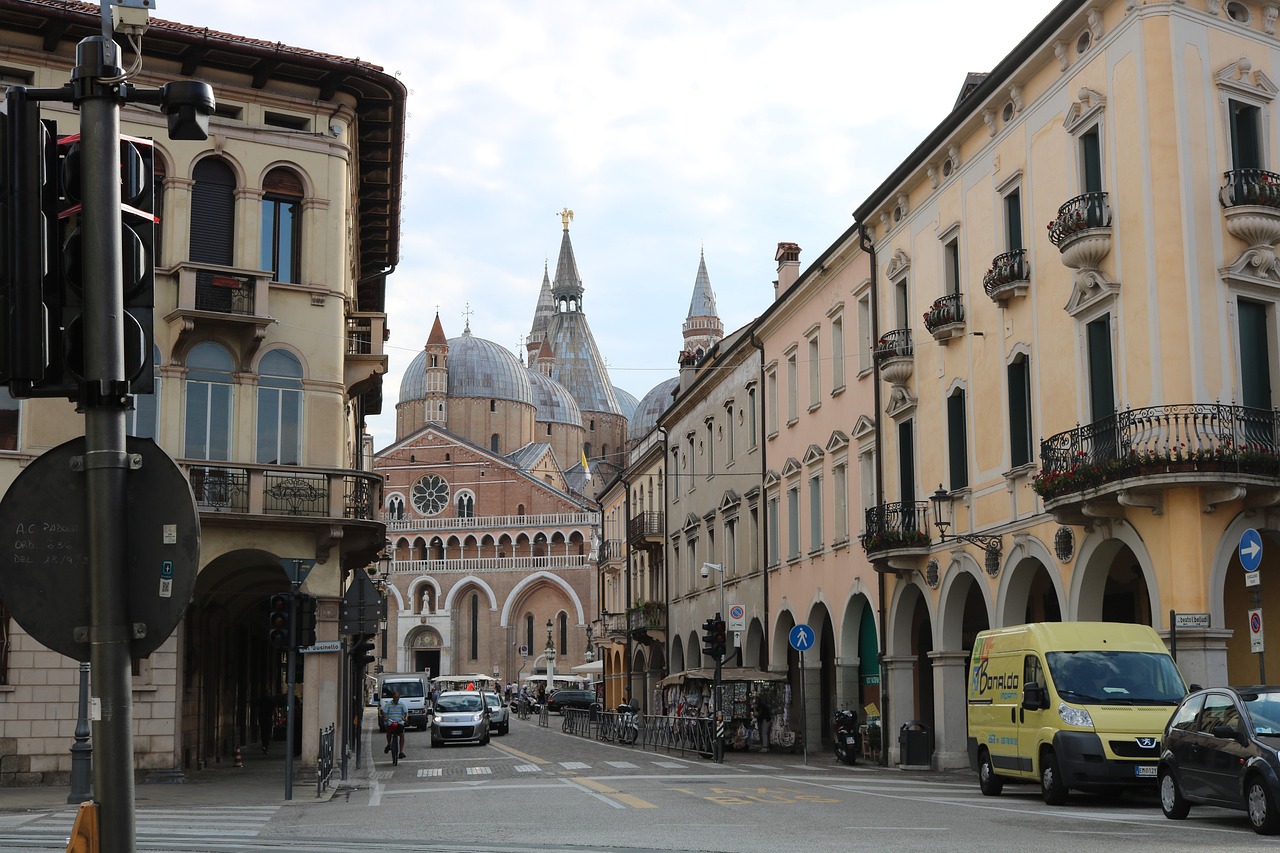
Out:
{"x": 1093, "y": 402}
{"x": 275, "y": 239}
{"x": 818, "y": 451}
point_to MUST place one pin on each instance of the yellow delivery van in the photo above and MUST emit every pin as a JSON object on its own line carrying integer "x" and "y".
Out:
{"x": 1069, "y": 704}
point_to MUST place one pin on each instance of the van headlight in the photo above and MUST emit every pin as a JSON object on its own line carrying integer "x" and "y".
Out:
{"x": 1074, "y": 716}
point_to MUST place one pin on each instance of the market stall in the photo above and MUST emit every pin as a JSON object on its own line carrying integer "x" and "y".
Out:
{"x": 755, "y": 703}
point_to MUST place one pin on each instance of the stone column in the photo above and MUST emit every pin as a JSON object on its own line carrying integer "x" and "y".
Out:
{"x": 901, "y": 693}
{"x": 847, "y": 674}
{"x": 1202, "y": 655}
{"x": 811, "y": 713}
{"x": 951, "y": 732}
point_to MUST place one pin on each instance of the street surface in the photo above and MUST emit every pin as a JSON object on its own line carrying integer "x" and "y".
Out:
{"x": 539, "y": 789}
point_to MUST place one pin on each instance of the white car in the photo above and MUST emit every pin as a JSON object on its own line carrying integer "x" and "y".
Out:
{"x": 499, "y": 714}
{"x": 461, "y": 716}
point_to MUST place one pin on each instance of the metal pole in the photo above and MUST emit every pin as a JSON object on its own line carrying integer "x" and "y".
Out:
{"x": 104, "y": 397}
{"x": 804, "y": 714}
{"x": 292, "y": 678}
{"x": 82, "y": 750}
{"x": 1173, "y": 635}
{"x": 345, "y": 675}
{"x": 1262, "y": 656}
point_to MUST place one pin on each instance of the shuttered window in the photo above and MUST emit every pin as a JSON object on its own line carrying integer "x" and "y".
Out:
{"x": 213, "y": 212}
{"x": 1255, "y": 355}
{"x": 1020, "y": 450}
{"x": 957, "y": 441}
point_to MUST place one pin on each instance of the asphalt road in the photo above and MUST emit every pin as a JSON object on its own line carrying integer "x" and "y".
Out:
{"x": 539, "y": 789}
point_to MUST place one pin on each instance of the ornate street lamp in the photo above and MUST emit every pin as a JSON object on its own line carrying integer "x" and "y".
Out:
{"x": 942, "y": 519}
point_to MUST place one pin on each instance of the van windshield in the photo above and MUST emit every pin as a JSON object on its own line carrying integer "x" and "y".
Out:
{"x": 1116, "y": 678}
{"x": 408, "y": 689}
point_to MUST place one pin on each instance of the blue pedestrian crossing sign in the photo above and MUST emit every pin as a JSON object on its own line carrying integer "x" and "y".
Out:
{"x": 801, "y": 638}
{"x": 1250, "y": 550}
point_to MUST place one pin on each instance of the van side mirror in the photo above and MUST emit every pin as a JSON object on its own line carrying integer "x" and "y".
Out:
{"x": 1034, "y": 697}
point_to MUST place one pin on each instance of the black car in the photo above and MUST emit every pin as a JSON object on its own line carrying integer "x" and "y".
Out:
{"x": 562, "y": 699}
{"x": 1222, "y": 748}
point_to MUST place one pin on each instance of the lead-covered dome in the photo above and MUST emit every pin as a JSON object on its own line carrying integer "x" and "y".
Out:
{"x": 651, "y": 407}
{"x": 476, "y": 368}
{"x": 555, "y": 404}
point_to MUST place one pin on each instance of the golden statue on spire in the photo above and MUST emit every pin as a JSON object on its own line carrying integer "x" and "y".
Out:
{"x": 566, "y": 216}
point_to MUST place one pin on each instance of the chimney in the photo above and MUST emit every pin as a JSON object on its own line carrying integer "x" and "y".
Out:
{"x": 788, "y": 258}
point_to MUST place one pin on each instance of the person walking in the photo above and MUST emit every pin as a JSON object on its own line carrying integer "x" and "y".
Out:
{"x": 266, "y": 718}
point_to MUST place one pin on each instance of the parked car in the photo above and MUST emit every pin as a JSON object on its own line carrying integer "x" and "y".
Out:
{"x": 1222, "y": 748}
{"x": 499, "y": 714}
{"x": 567, "y": 698}
{"x": 461, "y": 716}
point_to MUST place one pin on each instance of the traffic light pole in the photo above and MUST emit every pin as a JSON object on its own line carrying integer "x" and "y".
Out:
{"x": 291, "y": 678}
{"x": 104, "y": 400}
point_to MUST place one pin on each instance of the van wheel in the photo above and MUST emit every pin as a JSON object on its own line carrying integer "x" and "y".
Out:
{"x": 988, "y": 782}
{"x": 1052, "y": 786}
{"x": 1172, "y": 803}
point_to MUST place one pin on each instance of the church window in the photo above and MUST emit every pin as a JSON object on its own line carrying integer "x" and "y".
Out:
{"x": 493, "y": 405}
{"x": 395, "y": 507}
{"x": 528, "y": 632}
{"x": 466, "y": 506}
{"x": 475, "y": 626}
{"x": 493, "y": 442}
{"x": 564, "y": 633}
{"x": 430, "y": 494}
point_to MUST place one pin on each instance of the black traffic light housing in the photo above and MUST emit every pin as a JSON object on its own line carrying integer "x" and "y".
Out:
{"x": 306, "y": 620}
{"x": 718, "y": 641}
{"x": 708, "y": 638}
{"x": 279, "y": 622}
{"x": 362, "y": 650}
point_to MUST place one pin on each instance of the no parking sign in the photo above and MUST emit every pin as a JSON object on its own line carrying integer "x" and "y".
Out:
{"x": 1255, "y": 630}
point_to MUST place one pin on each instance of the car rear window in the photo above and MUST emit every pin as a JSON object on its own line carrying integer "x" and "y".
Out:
{"x": 408, "y": 689}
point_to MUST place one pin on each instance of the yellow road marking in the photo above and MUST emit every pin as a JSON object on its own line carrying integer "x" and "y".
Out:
{"x": 634, "y": 802}
{"x": 601, "y": 788}
{"x": 518, "y": 754}
{"x": 595, "y": 786}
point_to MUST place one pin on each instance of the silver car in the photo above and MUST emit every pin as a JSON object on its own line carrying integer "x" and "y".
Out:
{"x": 499, "y": 714}
{"x": 461, "y": 716}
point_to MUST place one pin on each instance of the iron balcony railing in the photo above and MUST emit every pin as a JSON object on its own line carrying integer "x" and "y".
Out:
{"x": 645, "y": 525}
{"x": 1006, "y": 269}
{"x": 1250, "y": 186}
{"x": 945, "y": 310}
{"x": 646, "y": 617}
{"x": 1192, "y": 437}
{"x": 1091, "y": 210}
{"x": 896, "y": 525}
{"x": 894, "y": 344}
{"x": 284, "y": 491}
{"x": 226, "y": 293}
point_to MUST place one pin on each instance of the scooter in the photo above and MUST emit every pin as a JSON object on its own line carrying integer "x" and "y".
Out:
{"x": 628, "y": 723}
{"x": 844, "y": 731}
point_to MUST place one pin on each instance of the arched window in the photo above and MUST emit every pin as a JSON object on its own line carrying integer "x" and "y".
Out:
{"x": 528, "y": 632}
{"x": 395, "y": 507}
{"x": 213, "y": 212}
{"x": 279, "y": 409}
{"x": 282, "y": 225}
{"x": 142, "y": 419}
{"x": 209, "y": 402}
{"x": 493, "y": 442}
{"x": 564, "y": 633}
{"x": 466, "y": 505}
{"x": 475, "y": 626}
{"x": 157, "y": 207}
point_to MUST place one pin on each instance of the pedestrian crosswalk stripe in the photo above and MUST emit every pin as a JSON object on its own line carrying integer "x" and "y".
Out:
{"x": 478, "y": 771}
{"x": 527, "y": 768}
{"x": 431, "y": 771}
{"x": 574, "y": 765}
{"x": 232, "y": 821}
{"x": 672, "y": 765}
{"x": 622, "y": 765}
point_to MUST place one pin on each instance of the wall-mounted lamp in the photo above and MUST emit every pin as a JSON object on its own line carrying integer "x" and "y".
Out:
{"x": 941, "y": 500}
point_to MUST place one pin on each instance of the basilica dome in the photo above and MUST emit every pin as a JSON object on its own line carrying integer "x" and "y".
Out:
{"x": 477, "y": 368}
{"x": 555, "y": 403}
{"x": 651, "y": 407}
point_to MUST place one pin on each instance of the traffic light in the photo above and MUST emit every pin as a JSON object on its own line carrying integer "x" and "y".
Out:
{"x": 362, "y": 650}
{"x": 708, "y": 638}
{"x": 137, "y": 267}
{"x": 306, "y": 621}
{"x": 28, "y": 239}
{"x": 718, "y": 644}
{"x": 278, "y": 612}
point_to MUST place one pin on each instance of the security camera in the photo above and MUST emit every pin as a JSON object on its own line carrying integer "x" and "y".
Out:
{"x": 706, "y": 573}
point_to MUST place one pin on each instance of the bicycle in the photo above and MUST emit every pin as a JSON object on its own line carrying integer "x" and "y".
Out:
{"x": 397, "y": 741}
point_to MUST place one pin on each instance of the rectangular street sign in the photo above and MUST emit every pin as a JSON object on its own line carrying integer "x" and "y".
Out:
{"x": 1191, "y": 620}
{"x": 1255, "y": 630}
{"x": 1252, "y": 579}
{"x": 326, "y": 646}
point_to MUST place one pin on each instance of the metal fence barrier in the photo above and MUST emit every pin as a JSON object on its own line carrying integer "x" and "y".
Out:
{"x": 324, "y": 760}
{"x": 656, "y": 733}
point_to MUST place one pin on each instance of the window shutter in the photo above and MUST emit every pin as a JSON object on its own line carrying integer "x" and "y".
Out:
{"x": 213, "y": 213}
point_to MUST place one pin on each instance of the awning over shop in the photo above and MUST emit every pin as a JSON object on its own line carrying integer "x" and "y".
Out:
{"x": 728, "y": 673}
{"x": 596, "y": 667}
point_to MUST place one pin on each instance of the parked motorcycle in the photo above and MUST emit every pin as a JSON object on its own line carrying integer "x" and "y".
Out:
{"x": 844, "y": 731}
{"x": 628, "y": 723}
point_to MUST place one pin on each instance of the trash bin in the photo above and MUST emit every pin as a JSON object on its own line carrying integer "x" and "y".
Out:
{"x": 914, "y": 744}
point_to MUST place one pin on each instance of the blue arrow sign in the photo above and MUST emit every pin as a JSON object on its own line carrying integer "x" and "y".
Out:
{"x": 1250, "y": 550}
{"x": 801, "y": 637}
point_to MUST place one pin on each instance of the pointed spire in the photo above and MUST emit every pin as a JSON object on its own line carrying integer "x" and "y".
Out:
{"x": 566, "y": 292}
{"x": 541, "y": 315}
{"x": 437, "y": 338}
{"x": 702, "y": 327}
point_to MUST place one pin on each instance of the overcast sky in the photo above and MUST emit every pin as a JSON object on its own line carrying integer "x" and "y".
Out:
{"x": 667, "y": 126}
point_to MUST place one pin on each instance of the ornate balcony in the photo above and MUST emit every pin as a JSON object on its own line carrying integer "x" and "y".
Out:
{"x": 646, "y": 529}
{"x": 226, "y": 298}
{"x": 896, "y": 356}
{"x": 1009, "y": 276}
{"x": 366, "y": 361}
{"x": 1132, "y": 457}
{"x": 945, "y": 318}
{"x": 1082, "y": 232}
{"x": 647, "y": 621}
{"x": 896, "y": 530}
{"x": 1250, "y": 201}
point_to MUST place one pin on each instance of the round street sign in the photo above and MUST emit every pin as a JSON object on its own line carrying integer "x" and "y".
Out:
{"x": 44, "y": 548}
{"x": 801, "y": 637}
{"x": 1250, "y": 550}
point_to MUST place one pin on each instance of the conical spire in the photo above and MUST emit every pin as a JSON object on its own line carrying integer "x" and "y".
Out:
{"x": 702, "y": 327}
{"x": 437, "y": 338}
{"x": 541, "y": 316}
{"x": 567, "y": 289}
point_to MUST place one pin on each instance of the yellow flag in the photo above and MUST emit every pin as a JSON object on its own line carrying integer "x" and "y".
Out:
{"x": 585, "y": 469}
